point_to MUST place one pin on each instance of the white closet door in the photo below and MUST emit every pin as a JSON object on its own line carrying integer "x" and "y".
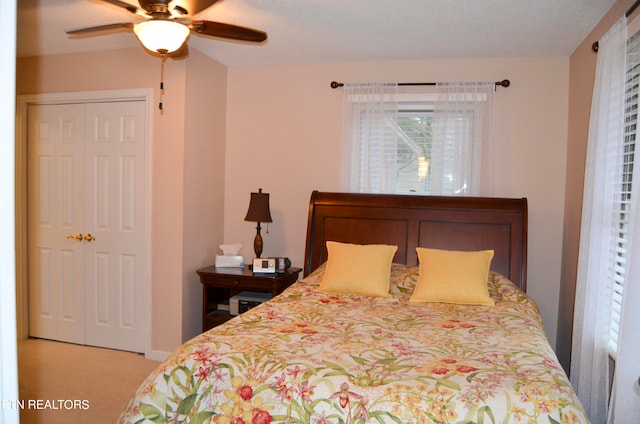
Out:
{"x": 114, "y": 215}
{"x": 87, "y": 177}
{"x": 55, "y": 216}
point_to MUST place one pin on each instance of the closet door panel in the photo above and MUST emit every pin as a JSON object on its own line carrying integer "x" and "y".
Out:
{"x": 115, "y": 217}
{"x": 55, "y": 145}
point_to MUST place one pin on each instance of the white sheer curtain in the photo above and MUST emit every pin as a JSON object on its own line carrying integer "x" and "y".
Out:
{"x": 590, "y": 372}
{"x": 460, "y": 146}
{"x": 463, "y": 122}
{"x": 370, "y": 143}
{"x": 625, "y": 404}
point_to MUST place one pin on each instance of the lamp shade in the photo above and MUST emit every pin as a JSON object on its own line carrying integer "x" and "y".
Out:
{"x": 259, "y": 208}
{"x": 161, "y": 35}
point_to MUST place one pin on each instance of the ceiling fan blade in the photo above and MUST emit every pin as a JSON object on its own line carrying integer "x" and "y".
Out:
{"x": 234, "y": 32}
{"x": 128, "y": 7}
{"x": 101, "y": 28}
{"x": 193, "y": 7}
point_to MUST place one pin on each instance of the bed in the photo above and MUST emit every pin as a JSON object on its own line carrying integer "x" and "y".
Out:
{"x": 320, "y": 353}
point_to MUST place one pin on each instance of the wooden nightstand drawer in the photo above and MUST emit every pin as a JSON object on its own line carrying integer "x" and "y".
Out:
{"x": 234, "y": 282}
{"x": 220, "y": 284}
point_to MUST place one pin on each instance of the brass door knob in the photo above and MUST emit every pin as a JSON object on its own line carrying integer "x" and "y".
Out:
{"x": 89, "y": 237}
{"x": 77, "y": 237}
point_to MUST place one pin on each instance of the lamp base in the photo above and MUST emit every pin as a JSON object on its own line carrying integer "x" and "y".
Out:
{"x": 257, "y": 245}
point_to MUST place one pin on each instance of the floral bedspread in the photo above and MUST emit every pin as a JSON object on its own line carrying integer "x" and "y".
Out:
{"x": 311, "y": 357}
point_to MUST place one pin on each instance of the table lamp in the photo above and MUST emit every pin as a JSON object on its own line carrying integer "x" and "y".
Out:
{"x": 258, "y": 212}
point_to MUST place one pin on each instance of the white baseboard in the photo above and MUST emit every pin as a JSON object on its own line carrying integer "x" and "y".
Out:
{"x": 157, "y": 355}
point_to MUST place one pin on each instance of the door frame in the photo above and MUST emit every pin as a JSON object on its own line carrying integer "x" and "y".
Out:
{"x": 22, "y": 104}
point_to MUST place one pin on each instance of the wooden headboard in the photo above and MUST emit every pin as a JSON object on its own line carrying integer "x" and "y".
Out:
{"x": 440, "y": 222}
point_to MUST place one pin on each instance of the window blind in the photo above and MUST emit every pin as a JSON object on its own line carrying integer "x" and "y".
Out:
{"x": 624, "y": 214}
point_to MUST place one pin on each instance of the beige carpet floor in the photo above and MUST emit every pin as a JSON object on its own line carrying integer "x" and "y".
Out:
{"x": 67, "y": 383}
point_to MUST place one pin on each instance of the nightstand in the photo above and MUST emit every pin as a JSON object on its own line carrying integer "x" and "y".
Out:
{"x": 219, "y": 284}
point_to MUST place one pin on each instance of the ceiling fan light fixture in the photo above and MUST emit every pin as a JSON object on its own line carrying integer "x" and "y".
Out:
{"x": 160, "y": 35}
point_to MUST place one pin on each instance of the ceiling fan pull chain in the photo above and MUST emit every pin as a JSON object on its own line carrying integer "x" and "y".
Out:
{"x": 164, "y": 58}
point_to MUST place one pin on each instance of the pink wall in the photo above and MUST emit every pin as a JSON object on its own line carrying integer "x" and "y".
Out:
{"x": 284, "y": 126}
{"x": 184, "y": 142}
{"x": 203, "y": 216}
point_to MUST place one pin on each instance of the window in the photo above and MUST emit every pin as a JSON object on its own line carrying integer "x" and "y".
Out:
{"x": 414, "y": 128}
{"x": 431, "y": 140}
{"x": 623, "y": 215}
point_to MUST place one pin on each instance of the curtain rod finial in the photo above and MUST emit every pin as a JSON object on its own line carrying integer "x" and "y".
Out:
{"x": 335, "y": 84}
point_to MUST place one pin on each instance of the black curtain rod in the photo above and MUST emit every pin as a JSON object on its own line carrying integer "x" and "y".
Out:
{"x": 504, "y": 83}
{"x": 596, "y": 46}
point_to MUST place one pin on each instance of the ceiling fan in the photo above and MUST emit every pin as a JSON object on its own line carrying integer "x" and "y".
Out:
{"x": 166, "y": 25}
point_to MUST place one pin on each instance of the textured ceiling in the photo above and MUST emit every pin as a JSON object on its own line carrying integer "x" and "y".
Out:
{"x": 314, "y": 31}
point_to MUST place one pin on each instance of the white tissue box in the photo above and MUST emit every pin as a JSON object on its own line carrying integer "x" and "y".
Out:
{"x": 229, "y": 261}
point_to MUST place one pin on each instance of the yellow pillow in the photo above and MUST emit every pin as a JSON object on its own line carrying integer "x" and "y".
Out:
{"x": 358, "y": 269}
{"x": 450, "y": 276}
